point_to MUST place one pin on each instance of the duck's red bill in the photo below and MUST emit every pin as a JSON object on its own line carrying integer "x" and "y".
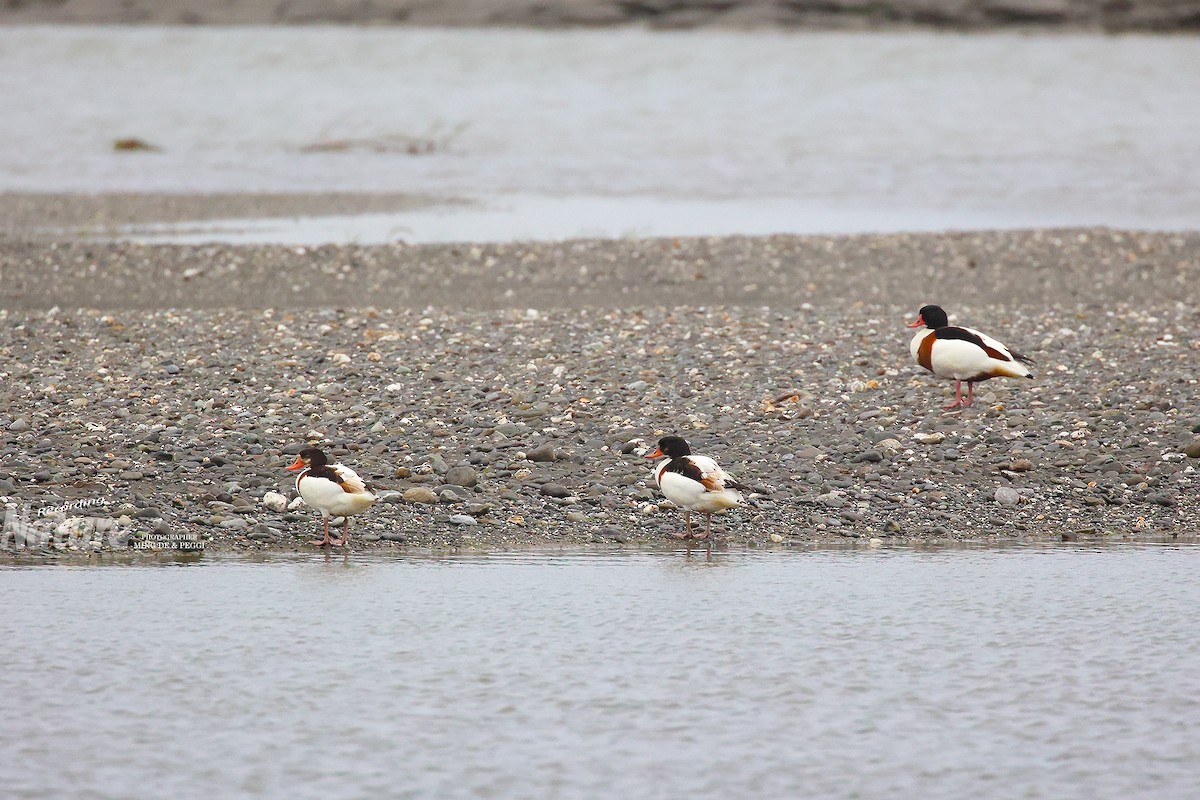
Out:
{"x": 658, "y": 453}
{"x": 297, "y": 464}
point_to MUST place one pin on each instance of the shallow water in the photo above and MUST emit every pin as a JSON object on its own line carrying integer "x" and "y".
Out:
{"x": 1037, "y": 672}
{"x": 718, "y": 131}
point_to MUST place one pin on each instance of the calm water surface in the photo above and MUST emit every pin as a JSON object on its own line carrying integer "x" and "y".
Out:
{"x": 1058, "y": 672}
{"x": 645, "y": 133}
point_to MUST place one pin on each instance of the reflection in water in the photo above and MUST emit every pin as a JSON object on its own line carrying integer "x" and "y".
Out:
{"x": 940, "y": 673}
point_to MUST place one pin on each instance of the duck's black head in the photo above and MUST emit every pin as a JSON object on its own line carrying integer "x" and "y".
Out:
{"x": 309, "y": 457}
{"x": 931, "y": 317}
{"x": 672, "y": 446}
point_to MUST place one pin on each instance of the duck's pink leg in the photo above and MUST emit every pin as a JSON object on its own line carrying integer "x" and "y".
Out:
{"x": 325, "y": 541}
{"x": 686, "y": 533}
{"x": 970, "y": 394}
{"x": 345, "y": 536}
{"x": 958, "y": 400}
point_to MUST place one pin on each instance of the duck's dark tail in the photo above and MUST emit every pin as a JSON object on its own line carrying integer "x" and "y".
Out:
{"x": 742, "y": 487}
{"x": 1024, "y": 359}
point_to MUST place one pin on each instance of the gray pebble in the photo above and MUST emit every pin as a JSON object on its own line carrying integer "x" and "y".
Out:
{"x": 1007, "y": 496}
{"x": 542, "y": 453}
{"x": 461, "y": 476}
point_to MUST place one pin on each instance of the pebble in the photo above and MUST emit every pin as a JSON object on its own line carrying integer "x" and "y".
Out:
{"x": 463, "y": 519}
{"x": 831, "y": 500}
{"x": 420, "y": 494}
{"x": 542, "y": 453}
{"x": 462, "y": 476}
{"x": 274, "y": 501}
{"x": 1007, "y": 496}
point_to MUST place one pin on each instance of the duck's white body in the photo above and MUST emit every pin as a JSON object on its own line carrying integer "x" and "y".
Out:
{"x": 706, "y": 495}
{"x": 964, "y": 360}
{"x": 343, "y": 499}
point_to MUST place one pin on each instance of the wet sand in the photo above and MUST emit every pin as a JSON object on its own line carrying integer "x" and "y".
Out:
{"x": 36, "y": 216}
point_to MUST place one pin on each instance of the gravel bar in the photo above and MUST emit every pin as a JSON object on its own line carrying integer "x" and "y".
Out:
{"x": 1153, "y": 15}
{"x": 503, "y": 395}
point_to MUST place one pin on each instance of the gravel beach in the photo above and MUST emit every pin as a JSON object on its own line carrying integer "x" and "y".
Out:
{"x": 1146, "y": 15}
{"x": 502, "y": 395}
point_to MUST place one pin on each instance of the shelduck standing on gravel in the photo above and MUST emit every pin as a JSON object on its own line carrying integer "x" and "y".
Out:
{"x": 962, "y": 354}
{"x": 694, "y": 483}
{"x": 332, "y": 489}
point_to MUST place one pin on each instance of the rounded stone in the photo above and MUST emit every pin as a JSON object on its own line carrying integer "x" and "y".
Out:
{"x": 274, "y": 501}
{"x": 420, "y": 494}
{"x": 542, "y": 453}
{"x": 1007, "y": 496}
{"x": 462, "y": 476}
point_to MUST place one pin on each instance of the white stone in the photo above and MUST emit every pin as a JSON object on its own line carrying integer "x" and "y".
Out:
{"x": 275, "y": 501}
{"x": 1007, "y": 496}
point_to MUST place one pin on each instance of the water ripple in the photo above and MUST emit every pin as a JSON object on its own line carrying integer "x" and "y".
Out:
{"x": 1049, "y": 671}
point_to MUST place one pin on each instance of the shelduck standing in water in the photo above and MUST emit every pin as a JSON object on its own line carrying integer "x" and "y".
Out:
{"x": 963, "y": 354}
{"x": 694, "y": 483}
{"x": 332, "y": 489}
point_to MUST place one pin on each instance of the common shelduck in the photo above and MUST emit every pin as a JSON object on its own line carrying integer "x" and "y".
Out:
{"x": 332, "y": 489}
{"x": 963, "y": 354}
{"x": 694, "y": 483}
